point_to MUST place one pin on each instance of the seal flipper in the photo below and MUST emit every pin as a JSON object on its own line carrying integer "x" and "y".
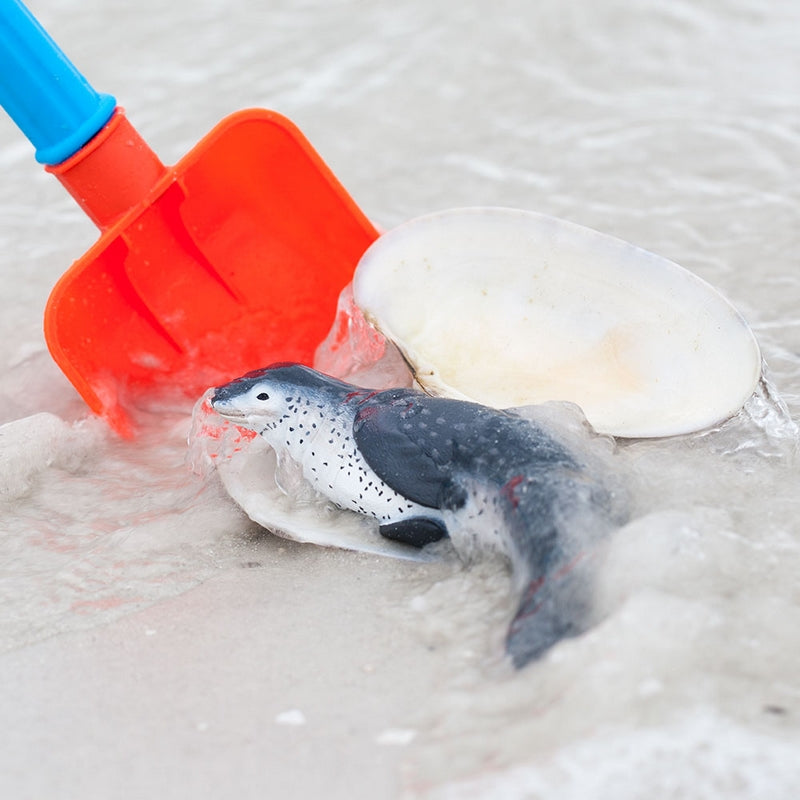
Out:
{"x": 553, "y": 607}
{"x": 417, "y": 531}
{"x": 396, "y": 449}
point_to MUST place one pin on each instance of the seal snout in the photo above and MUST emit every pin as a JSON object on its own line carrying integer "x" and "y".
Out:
{"x": 223, "y": 401}
{"x": 228, "y": 411}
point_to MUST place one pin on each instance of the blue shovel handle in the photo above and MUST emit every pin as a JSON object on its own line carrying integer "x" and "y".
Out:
{"x": 43, "y": 92}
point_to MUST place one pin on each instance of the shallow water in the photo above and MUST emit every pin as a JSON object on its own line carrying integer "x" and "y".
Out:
{"x": 149, "y": 629}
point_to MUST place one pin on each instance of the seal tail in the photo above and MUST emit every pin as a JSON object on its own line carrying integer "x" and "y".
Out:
{"x": 554, "y": 606}
{"x": 558, "y": 520}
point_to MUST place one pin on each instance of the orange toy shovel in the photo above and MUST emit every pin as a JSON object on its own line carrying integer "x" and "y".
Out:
{"x": 227, "y": 261}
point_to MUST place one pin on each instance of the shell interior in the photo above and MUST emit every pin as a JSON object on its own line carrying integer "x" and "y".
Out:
{"x": 511, "y": 308}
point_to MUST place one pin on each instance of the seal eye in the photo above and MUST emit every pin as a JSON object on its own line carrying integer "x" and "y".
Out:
{"x": 262, "y": 396}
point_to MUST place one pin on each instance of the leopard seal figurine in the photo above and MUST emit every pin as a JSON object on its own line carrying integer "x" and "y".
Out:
{"x": 426, "y": 467}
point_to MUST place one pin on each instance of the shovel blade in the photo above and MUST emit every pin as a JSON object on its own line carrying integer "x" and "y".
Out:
{"x": 235, "y": 259}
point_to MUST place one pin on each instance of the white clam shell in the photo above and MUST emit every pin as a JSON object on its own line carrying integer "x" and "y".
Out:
{"x": 509, "y": 308}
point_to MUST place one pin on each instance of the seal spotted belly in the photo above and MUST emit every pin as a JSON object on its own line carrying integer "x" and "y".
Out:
{"x": 425, "y": 467}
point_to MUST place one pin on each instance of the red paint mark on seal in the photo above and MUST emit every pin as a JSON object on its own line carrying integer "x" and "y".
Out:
{"x": 508, "y": 490}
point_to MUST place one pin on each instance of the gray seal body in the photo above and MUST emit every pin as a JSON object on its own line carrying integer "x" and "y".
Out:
{"x": 425, "y": 467}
